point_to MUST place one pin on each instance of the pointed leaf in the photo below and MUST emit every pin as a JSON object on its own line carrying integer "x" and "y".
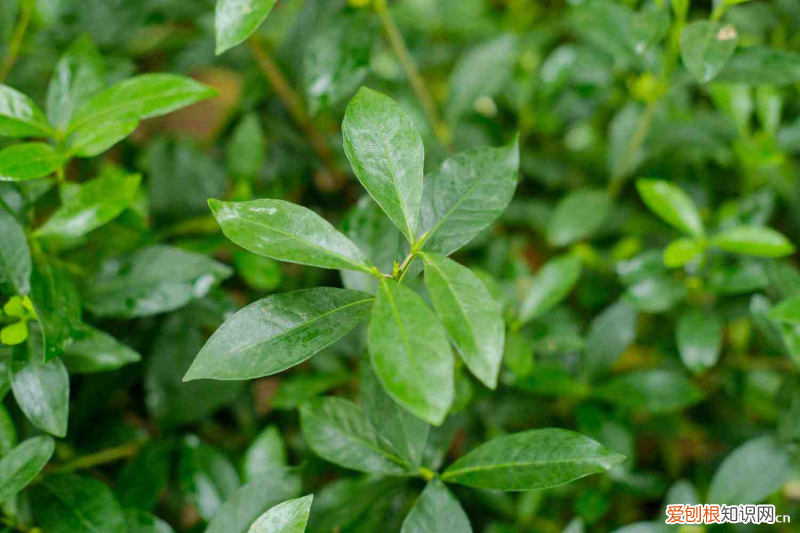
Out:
{"x": 78, "y": 75}
{"x": 267, "y": 451}
{"x": 699, "y": 336}
{"x": 436, "y": 511}
{"x": 472, "y": 318}
{"x": 671, "y": 204}
{"x": 610, "y": 334}
{"x": 552, "y": 283}
{"x": 287, "y": 517}
{"x": 15, "y": 254}
{"x": 410, "y": 352}
{"x": 579, "y": 215}
{"x": 20, "y": 117}
{"x": 759, "y": 241}
{"x": 705, "y": 48}
{"x": 657, "y": 391}
{"x": 386, "y": 153}
{"x": 534, "y": 459}
{"x": 27, "y": 161}
{"x": 207, "y": 477}
{"x": 97, "y": 351}
{"x": 42, "y": 393}
{"x": 22, "y": 463}
{"x": 67, "y": 503}
{"x": 287, "y": 232}
{"x": 236, "y": 20}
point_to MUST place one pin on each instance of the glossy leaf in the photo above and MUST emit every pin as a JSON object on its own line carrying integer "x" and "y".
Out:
{"x": 42, "y": 393}
{"x": 207, "y": 477}
{"x": 287, "y": 517}
{"x": 22, "y": 463}
{"x": 386, "y": 153}
{"x": 338, "y": 431}
{"x": 27, "y": 161}
{"x": 759, "y": 241}
{"x": 68, "y": 503}
{"x": 579, "y": 215}
{"x": 468, "y": 193}
{"x": 78, "y": 75}
{"x": 96, "y": 351}
{"x": 153, "y": 280}
{"x": 671, "y": 204}
{"x": 610, "y": 334}
{"x": 96, "y": 203}
{"x": 278, "y": 332}
{"x": 472, "y": 318}
{"x": 551, "y": 284}
{"x": 681, "y": 251}
{"x": 410, "y": 353}
{"x": 657, "y": 391}
{"x": 57, "y": 304}
{"x": 534, "y": 459}
{"x": 436, "y": 511}
{"x": 236, "y": 20}
{"x": 15, "y": 254}
{"x": 20, "y": 116}
{"x": 287, "y": 232}
{"x": 699, "y": 336}
{"x": 705, "y": 48}
{"x": 267, "y": 451}
{"x": 92, "y": 140}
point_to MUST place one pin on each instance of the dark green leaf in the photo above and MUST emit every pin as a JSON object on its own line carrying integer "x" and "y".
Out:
{"x": 143, "y": 481}
{"x": 759, "y": 241}
{"x": 699, "y": 336}
{"x": 15, "y": 254}
{"x": 705, "y": 48}
{"x": 21, "y": 464}
{"x": 142, "y": 522}
{"x": 610, "y": 334}
{"x": 288, "y": 517}
{"x": 552, "y": 283}
{"x": 236, "y": 20}
{"x": 69, "y": 503}
{"x": 671, "y": 204}
{"x": 42, "y": 393}
{"x": 300, "y": 388}
{"x": 27, "y": 161}
{"x": 96, "y": 351}
{"x": 207, "y": 477}
{"x": 436, "y": 511}
{"x": 57, "y": 304}
{"x": 20, "y": 117}
{"x": 657, "y": 391}
{"x": 534, "y": 459}
{"x": 267, "y": 451}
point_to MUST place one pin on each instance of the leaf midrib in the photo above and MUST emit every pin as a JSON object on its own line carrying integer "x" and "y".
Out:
{"x": 75, "y": 511}
{"x": 451, "y": 473}
{"x": 402, "y": 203}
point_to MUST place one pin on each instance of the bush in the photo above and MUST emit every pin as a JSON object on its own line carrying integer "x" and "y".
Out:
{"x": 426, "y": 266}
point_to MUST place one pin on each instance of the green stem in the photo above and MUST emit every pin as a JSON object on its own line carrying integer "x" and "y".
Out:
{"x": 426, "y": 474}
{"x": 102, "y": 457}
{"x": 15, "y": 45}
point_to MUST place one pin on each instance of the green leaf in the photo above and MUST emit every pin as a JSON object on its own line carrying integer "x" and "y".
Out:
{"x": 78, "y": 75}
{"x": 300, "y": 388}
{"x": 657, "y": 391}
{"x": 535, "y": 459}
{"x": 337, "y": 58}
{"x": 22, "y": 463}
{"x": 42, "y": 393}
{"x": 386, "y": 153}
{"x": 90, "y": 141}
{"x": 705, "y": 48}
{"x": 656, "y": 294}
{"x": 472, "y": 318}
{"x": 671, "y": 204}
{"x": 278, "y": 332}
{"x": 27, "y": 161}
{"x": 578, "y": 216}
{"x": 143, "y": 481}
{"x": 468, "y": 193}
{"x": 610, "y": 334}
{"x": 762, "y": 65}
{"x": 236, "y": 20}
{"x": 15, "y": 254}
{"x": 68, "y": 503}
{"x": 206, "y": 476}
{"x": 759, "y": 241}
{"x": 338, "y": 431}
{"x": 252, "y": 500}
{"x": 96, "y": 351}
{"x": 8, "y": 432}
{"x": 245, "y": 151}
{"x": 436, "y": 511}
{"x": 681, "y": 251}
{"x": 96, "y": 203}
{"x": 152, "y": 280}
{"x": 287, "y": 232}
{"x": 699, "y": 337}
{"x": 20, "y": 117}
{"x": 140, "y": 97}
{"x": 288, "y": 517}
{"x": 396, "y": 429}
{"x": 410, "y": 353}
{"x": 142, "y": 522}
{"x": 57, "y": 304}
{"x": 788, "y": 311}
{"x": 552, "y": 283}
{"x": 751, "y": 472}
{"x": 267, "y": 451}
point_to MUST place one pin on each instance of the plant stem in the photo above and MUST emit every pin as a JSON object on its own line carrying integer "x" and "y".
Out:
{"x": 426, "y": 474}
{"x": 14, "y": 46}
{"x": 109, "y": 455}
{"x": 291, "y": 100}
{"x": 424, "y": 96}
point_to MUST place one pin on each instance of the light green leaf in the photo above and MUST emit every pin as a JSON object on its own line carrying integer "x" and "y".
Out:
{"x": 267, "y": 451}
{"x": 337, "y": 58}
{"x": 396, "y": 429}
{"x": 236, "y": 20}
{"x": 244, "y": 153}
{"x": 472, "y": 318}
{"x": 657, "y": 391}
{"x": 610, "y": 334}
{"x": 681, "y": 251}
{"x": 436, "y": 511}
{"x": 299, "y": 388}
{"x": 699, "y": 337}
{"x": 759, "y": 241}
{"x": 788, "y": 311}
{"x": 27, "y": 161}
{"x": 207, "y": 477}
{"x": 96, "y": 351}
{"x": 278, "y": 332}
{"x": 763, "y": 65}
{"x": 671, "y": 204}
{"x": 93, "y": 140}
{"x": 656, "y": 294}
{"x": 578, "y": 216}
{"x": 287, "y": 232}
{"x": 552, "y": 283}
{"x": 22, "y": 463}
{"x": 705, "y": 48}
{"x": 751, "y": 472}
{"x": 68, "y": 503}
{"x": 42, "y": 393}
{"x": 140, "y": 97}
{"x": 287, "y": 517}
{"x": 410, "y": 352}
{"x": 386, "y": 153}
{"x": 15, "y": 254}
{"x": 468, "y": 193}
{"x": 20, "y": 117}
{"x": 97, "y": 202}
{"x": 252, "y": 500}
{"x": 78, "y": 75}
{"x": 535, "y": 459}
{"x": 338, "y": 431}
{"x": 152, "y": 280}
{"x": 142, "y": 522}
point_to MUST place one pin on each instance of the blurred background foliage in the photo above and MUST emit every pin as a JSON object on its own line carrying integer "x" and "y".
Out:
{"x": 598, "y": 95}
